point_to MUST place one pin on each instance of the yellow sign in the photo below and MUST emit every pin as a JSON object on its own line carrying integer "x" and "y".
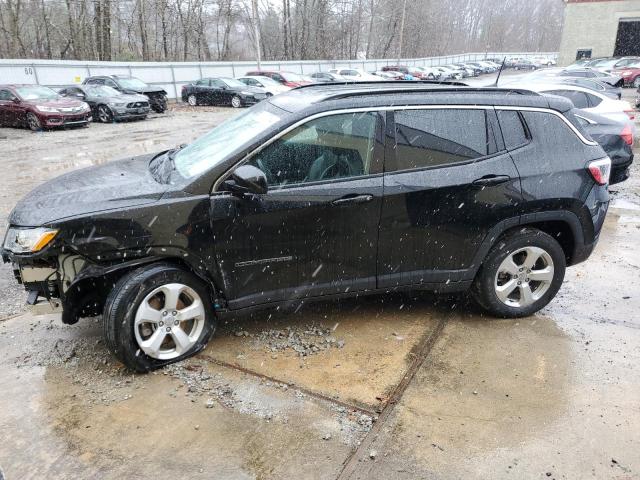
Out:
{"x": 76, "y": 79}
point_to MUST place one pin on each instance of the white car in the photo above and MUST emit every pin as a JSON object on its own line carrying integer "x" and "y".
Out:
{"x": 586, "y": 99}
{"x": 271, "y": 86}
{"x": 449, "y": 73}
{"x": 356, "y": 75}
{"x": 543, "y": 61}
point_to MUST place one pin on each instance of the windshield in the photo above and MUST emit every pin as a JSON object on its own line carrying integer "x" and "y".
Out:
{"x": 232, "y": 82}
{"x": 101, "y": 91}
{"x": 37, "y": 93}
{"x": 132, "y": 83}
{"x": 210, "y": 149}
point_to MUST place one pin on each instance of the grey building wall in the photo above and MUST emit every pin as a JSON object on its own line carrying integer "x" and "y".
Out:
{"x": 593, "y": 25}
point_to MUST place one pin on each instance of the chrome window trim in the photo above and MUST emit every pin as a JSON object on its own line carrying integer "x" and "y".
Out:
{"x": 553, "y": 112}
{"x": 295, "y": 125}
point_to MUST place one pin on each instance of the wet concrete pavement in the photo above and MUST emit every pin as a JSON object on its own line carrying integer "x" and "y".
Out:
{"x": 406, "y": 389}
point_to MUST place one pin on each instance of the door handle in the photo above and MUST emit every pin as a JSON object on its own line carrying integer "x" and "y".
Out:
{"x": 353, "y": 199}
{"x": 490, "y": 180}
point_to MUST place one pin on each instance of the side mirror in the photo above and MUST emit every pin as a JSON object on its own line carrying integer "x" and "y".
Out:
{"x": 15, "y": 100}
{"x": 247, "y": 179}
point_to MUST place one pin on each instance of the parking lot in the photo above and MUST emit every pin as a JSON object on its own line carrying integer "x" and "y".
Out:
{"x": 398, "y": 386}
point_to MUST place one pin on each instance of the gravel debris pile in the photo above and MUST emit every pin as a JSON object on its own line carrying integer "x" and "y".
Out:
{"x": 304, "y": 341}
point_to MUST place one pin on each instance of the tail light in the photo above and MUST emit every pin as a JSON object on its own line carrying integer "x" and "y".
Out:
{"x": 631, "y": 114}
{"x": 600, "y": 170}
{"x": 627, "y": 135}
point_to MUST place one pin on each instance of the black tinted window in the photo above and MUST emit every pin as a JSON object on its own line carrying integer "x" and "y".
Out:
{"x": 429, "y": 138}
{"x": 579, "y": 99}
{"x": 327, "y": 148}
{"x": 513, "y": 130}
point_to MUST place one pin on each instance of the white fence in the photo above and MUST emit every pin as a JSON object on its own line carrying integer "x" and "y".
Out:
{"x": 172, "y": 76}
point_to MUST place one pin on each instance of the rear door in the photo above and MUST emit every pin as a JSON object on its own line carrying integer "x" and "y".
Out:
{"x": 448, "y": 181}
{"x": 315, "y": 232}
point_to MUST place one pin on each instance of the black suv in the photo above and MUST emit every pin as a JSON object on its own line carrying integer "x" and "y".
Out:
{"x": 130, "y": 85}
{"x": 325, "y": 191}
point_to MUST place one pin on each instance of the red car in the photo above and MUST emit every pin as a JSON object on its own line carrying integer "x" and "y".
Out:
{"x": 629, "y": 74}
{"x": 289, "y": 79}
{"x": 38, "y": 107}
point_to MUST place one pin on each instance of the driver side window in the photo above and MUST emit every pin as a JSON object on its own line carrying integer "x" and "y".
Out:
{"x": 327, "y": 148}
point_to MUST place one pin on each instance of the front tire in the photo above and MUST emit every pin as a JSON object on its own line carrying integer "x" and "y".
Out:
{"x": 160, "y": 106}
{"x": 636, "y": 83}
{"x": 236, "y": 102}
{"x": 521, "y": 274}
{"x": 33, "y": 122}
{"x": 192, "y": 100}
{"x": 104, "y": 114}
{"x": 157, "y": 315}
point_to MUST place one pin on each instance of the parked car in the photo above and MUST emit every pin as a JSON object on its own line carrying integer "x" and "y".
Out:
{"x": 630, "y": 74}
{"x": 409, "y": 73}
{"x": 590, "y": 101}
{"x": 603, "y": 63}
{"x": 270, "y": 86}
{"x": 594, "y": 84}
{"x": 37, "y": 107}
{"x": 305, "y": 197}
{"x": 355, "y": 74}
{"x": 429, "y": 73}
{"x": 326, "y": 77}
{"x": 288, "y": 79}
{"x": 543, "y": 61}
{"x": 524, "y": 64}
{"x": 483, "y": 68}
{"x": 466, "y": 71}
{"x": 611, "y": 79}
{"x": 107, "y": 104}
{"x": 476, "y": 69}
{"x": 447, "y": 73}
{"x": 221, "y": 91}
{"x": 624, "y": 62}
{"x": 126, "y": 84}
{"x": 615, "y": 138}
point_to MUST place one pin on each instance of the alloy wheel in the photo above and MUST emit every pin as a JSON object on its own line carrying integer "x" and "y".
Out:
{"x": 636, "y": 82}
{"x": 103, "y": 114}
{"x": 236, "y": 102}
{"x": 34, "y": 123}
{"x": 191, "y": 99}
{"x": 524, "y": 277}
{"x": 169, "y": 321}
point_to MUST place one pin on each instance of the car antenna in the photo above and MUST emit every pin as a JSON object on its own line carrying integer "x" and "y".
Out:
{"x": 500, "y": 71}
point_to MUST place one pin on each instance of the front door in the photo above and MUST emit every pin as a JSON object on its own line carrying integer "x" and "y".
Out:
{"x": 315, "y": 232}
{"x": 447, "y": 184}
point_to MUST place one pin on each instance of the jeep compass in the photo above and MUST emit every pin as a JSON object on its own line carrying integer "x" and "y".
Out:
{"x": 325, "y": 191}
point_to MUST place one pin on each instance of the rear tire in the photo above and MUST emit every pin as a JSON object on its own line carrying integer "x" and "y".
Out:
{"x": 520, "y": 275}
{"x": 157, "y": 315}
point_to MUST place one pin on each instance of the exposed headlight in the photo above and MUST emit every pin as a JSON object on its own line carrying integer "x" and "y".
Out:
{"x": 28, "y": 240}
{"x": 119, "y": 104}
{"x": 85, "y": 107}
{"x": 42, "y": 108}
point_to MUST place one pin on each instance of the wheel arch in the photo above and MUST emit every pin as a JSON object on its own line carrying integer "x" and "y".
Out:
{"x": 87, "y": 293}
{"x": 562, "y": 225}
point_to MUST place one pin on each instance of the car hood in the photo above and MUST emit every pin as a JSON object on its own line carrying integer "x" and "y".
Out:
{"x": 147, "y": 89}
{"x": 59, "y": 103}
{"x": 118, "y": 184}
{"x": 125, "y": 97}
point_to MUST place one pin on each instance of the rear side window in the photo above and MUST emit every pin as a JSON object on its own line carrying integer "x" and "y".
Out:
{"x": 579, "y": 99}
{"x": 513, "y": 131}
{"x": 594, "y": 101}
{"x": 432, "y": 138}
